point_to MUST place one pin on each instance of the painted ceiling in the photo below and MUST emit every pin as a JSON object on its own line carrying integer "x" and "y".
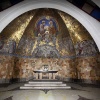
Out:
{"x": 46, "y": 33}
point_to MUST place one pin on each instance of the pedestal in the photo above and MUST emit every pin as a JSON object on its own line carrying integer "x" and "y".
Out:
{"x": 40, "y": 75}
{"x": 50, "y": 75}
{"x": 36, "y": 75}
{"x": 53, "y": 75}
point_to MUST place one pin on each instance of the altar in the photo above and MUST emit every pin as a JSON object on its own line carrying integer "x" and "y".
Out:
{"x": 49, "y": 73}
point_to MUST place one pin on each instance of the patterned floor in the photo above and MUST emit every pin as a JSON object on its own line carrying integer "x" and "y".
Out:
{"x": 77, "y": 92}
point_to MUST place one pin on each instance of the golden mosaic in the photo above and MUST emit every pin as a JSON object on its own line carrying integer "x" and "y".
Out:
{"x": 16, "y": 28}
{"x": 77, "y": 32}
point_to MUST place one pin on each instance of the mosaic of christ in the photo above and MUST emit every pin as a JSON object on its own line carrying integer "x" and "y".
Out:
{"x": 46, "y": 25}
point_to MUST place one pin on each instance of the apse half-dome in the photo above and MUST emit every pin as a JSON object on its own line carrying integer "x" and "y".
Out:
{"x": 48, "y": 37}
{"x": 47, "y": 27}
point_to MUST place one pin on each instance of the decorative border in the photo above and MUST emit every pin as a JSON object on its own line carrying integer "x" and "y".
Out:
{"x": 64, "y": 57}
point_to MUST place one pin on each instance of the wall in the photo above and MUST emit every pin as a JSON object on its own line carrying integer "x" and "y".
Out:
{"x": 25, "y": 66}
{"x": 6, "y": 68}
{"x": 88, "y": 69}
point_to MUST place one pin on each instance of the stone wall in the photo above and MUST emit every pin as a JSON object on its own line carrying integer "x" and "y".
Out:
{"x": 6, "y": 68}
{"x": 82, "y": 68}
{"x": 25, "y": 66}
{"x": 88, "y": 68}
{"x": 23, "y": 69}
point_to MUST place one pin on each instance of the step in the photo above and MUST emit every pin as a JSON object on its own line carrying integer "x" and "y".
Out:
{"x": 45, "y": 80}
{"x": 45, "y": 84}
{"x": 26, "y": 88}
{"x": 32, "y": 82}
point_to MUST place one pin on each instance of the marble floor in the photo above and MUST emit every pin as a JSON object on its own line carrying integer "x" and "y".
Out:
{"x": 77, "y": 92}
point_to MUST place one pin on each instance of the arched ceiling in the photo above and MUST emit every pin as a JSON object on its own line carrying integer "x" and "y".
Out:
{"x": 48, "y": 33}
{"x": 8, "y": 15}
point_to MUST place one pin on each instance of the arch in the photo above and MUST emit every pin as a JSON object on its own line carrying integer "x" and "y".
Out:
{"x": 87, "y": 21}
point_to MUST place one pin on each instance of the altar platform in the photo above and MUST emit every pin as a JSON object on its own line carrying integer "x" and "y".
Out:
{"x": 45, "y": 85}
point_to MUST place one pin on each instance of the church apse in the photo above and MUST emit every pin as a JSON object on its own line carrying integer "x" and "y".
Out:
{"x": 48, "y": 37}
